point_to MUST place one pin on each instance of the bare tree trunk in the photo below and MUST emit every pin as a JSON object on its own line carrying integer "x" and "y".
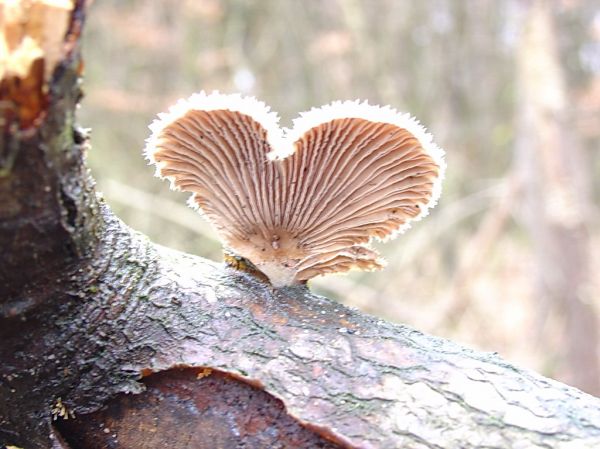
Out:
{"x": 556, "y": 182}
{"x": 91, "y": 310}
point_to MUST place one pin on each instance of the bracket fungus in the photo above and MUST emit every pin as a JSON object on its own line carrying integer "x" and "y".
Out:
{"x": 304, "y": 201}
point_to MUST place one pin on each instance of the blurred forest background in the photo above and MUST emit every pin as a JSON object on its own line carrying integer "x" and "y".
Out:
{"x": 507, "y": 261}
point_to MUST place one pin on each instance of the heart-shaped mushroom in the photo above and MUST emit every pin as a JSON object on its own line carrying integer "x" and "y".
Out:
{"x": 304, "y": 201}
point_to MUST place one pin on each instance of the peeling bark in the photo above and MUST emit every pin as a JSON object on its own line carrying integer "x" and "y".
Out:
{"x": 90, "y": 309}
{"x": 199, "y": 408}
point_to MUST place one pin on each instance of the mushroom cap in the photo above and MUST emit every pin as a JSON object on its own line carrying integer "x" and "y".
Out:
{"x": 305, "y": 201}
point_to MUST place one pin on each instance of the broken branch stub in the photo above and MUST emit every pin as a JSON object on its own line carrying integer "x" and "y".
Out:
{"x": 32, "y": 43}
{"x": 305, "y": 201}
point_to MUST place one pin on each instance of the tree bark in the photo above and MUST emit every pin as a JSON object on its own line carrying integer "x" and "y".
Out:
{"x": 210, "y": 355}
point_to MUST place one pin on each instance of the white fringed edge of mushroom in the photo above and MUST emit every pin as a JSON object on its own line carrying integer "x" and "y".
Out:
{"x": 282, "y": 140}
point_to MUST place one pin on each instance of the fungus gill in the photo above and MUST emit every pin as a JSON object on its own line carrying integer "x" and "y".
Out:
{"x": 299, "y": 202}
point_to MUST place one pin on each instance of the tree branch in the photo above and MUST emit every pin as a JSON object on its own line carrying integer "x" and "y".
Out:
{"x": 90, "y": 309}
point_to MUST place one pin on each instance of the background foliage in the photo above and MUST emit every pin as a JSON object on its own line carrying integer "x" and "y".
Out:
{"x": 473, "y": 270}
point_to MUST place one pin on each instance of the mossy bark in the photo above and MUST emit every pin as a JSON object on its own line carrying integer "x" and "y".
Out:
{"x": 91, "y": 309}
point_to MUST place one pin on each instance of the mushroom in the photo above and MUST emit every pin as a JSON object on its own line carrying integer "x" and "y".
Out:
{"x": 305, "y": 201}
